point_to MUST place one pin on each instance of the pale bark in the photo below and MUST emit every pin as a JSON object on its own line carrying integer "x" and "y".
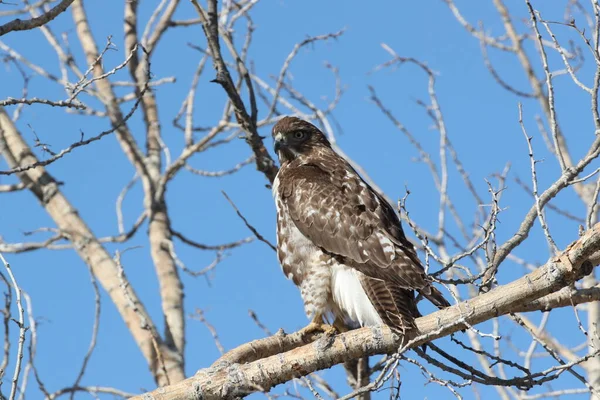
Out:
{"x": 563, "y": 298}
{"x": 159, "y": 230}
{"x": 124, "y": 136}
{"x": 592, "y": 367}
{"x": 149, "y": 168}
{"x": 260, "y": 365}
{"x": 17, "y": 153}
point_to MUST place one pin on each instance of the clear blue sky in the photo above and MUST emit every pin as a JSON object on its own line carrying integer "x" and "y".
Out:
{"x": 481, "y": 118}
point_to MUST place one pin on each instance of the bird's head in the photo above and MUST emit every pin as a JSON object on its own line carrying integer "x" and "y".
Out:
{"x": 294, "y": 137}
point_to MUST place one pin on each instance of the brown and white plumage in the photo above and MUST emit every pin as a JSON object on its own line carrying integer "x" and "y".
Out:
{"x": 338, "y": 240}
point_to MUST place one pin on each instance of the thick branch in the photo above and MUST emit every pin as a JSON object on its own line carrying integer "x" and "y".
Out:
{"x": 16, "y": 153}
{"x": 565, "y": 297}
{"x": 105, "y": 90}
{"x": 171, "y": 287}
{"x": 159, "y": 230}
{"x": 149, "y": 169}
{"x": 20, "y": 25}
{"x": 268, "y": 367}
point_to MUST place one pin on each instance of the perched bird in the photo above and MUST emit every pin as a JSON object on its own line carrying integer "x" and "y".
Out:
{"x": 339, "y": 241}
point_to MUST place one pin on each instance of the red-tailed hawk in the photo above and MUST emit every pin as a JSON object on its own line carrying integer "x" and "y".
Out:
{"x": 339, "y": 241}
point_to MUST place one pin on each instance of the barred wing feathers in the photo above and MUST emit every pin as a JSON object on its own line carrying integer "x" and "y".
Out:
{"x": 334, "y": 208}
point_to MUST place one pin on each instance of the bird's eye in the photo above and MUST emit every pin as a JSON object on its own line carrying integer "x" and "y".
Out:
{"x": 299, "y": 135}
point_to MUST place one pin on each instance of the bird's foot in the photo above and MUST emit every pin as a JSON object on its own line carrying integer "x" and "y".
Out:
{"x": 330, "y": 330}
{"x": 318, "y": 327}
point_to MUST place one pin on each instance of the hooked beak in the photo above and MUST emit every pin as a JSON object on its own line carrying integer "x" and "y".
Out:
{"x": 279, "y": 142}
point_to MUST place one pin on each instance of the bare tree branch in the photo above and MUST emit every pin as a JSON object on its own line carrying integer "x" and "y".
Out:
{"x": 20, "y": 25}
{"x": 16, "y": 152}
{"x": 210, "y": 24}
{"x": 241, "y": 372}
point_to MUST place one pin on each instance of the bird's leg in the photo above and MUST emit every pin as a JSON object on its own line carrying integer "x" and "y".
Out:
{"x": 317, "y": 325}
{"x": 340, "y": 325}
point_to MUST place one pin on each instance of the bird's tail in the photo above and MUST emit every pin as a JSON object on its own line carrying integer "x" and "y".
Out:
{"x": 434, "y": 296}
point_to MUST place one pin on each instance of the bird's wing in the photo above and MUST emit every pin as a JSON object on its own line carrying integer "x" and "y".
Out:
{"x": 341, "y": 214}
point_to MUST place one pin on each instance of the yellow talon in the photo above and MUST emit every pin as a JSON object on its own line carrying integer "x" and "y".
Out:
{"x": 318, "y": 326}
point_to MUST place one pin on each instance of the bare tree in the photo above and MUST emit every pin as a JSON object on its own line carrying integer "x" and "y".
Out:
{"x": 468, "y": 252}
